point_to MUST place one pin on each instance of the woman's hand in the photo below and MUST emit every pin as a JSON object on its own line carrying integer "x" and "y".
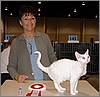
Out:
{"x": 21, "y": 78}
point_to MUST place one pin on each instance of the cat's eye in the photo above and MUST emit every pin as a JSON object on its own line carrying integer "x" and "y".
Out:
{"x": 83, "y": 57}
{"x": 88, "y": 56}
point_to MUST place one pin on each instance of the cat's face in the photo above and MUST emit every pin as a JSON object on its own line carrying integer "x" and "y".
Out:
{"x": 83, "y": 58}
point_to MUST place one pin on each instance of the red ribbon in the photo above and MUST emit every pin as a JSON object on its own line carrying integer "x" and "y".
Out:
{"x": 33, "y": 86}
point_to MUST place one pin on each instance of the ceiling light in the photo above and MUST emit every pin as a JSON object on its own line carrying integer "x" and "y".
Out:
{"x": 39, "y": 2}
{"x": 11, "y": 13}
{"x": 39, "y": 9}
{"x": 75, "y": 10}
{"x": 96, "y": 16}
{"x": 83, "y": 3}
{"x": 38, "y": 14}
{"x": 6, "y": 8}
{"x": 69, "y": 15}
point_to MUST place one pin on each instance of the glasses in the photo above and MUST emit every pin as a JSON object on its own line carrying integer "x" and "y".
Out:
{"x": 30, "y": 48}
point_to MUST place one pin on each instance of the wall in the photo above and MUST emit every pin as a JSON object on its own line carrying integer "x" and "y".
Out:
{"x": 91, "y": 30}
{"x": 59, "y": 28}
{"x": 1, "y": 30}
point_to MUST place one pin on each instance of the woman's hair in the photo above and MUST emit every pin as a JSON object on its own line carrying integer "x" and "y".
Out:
{"x": 27, "y": 9}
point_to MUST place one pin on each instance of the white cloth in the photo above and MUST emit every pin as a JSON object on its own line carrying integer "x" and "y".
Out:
{"x": 5, "y": 59}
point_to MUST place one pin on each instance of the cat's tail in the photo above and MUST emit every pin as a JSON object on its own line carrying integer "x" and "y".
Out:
{"x": 45, "y": 69}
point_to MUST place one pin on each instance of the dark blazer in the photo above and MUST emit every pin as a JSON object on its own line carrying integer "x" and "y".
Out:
{"x": 19, "y": 58}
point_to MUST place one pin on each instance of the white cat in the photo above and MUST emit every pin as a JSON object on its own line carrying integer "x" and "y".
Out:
{"x": 66, "y": 69}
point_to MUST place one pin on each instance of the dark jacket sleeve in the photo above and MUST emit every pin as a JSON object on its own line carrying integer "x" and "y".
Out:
{"x": 51, "y": 53}
{"x": 12, "y": 65}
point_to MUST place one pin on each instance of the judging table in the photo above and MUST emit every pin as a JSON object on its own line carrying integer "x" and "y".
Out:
{"x": 10, "y": 88}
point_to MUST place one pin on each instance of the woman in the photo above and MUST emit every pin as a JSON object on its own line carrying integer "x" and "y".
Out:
{"x": 22, "y": 60}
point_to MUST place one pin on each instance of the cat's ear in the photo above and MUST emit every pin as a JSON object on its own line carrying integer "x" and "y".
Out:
{"x": 77, "y": 55}
{"x": 87, "y": 52}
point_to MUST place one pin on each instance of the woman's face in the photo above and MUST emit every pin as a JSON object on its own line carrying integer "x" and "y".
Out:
{"x": 28, "y": 22}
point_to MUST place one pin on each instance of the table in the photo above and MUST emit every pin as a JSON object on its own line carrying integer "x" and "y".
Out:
{"x": 10, "y": 88}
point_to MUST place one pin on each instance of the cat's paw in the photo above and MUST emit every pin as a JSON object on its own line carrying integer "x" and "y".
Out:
{"x": 63, "y": 89}
{"x": 76, "y": 91}
{"x": 73, "y": 93}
